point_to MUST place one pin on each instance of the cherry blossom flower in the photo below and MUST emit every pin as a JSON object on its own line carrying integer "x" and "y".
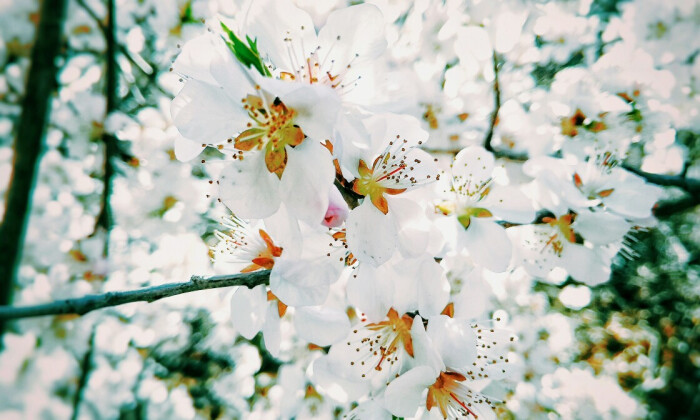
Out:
{"x": 476, "y": 205}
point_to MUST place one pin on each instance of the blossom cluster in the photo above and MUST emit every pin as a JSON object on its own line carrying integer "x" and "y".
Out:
{"x": 407, "y": 173}
{"x": 332, "y": 190}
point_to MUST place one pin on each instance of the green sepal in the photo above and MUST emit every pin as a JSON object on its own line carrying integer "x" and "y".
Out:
{"x": 248, "y": 54}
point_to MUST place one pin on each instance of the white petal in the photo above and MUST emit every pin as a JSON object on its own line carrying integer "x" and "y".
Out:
{"x": 472, "y": 167}
{"x": 317, "y": 108}
{"x": 412, "y": 226}
{"x": 284, "y": 32}
{"x": 472, "y": 300}
{"x": 455, "y": 341}
{"x": 321, "y": 325}
{"x": 369, "y": 410}
{"x": 584, "y": 265}
{"x": 186, "y": 149}
{"x": 475, "y": 41}
{"x": 371, "y": 234}
{"x": 424, "y": 351}
{"x": 355, "y": 33}
{"x": 600, "y": 228}
{"x": 249, "y": 189}
{"x": 404, "y": 394}
{"x": 488, "y": 244}
{"x": 204, "y": 113}
{"x": 306, "y": 181}
{"x": 326, "y": 374}
{"x": 272, "y": 334}
{"x": 230, "y": 74}
{"x": 433, "y": 287}
{"x": 510, "y": 204}
{"x": 370, "y": 289}
{"x": 196, "y": 55}
{"x": 300, "y": 282}
{"x": 248, "y": 310}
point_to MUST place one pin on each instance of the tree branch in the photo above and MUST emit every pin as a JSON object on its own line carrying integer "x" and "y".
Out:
{"x": 29, "y": 142}
{"x": 692, "y": 185}
{"x": 105, "y": 218}
{"x": 85, "y": 304}
{"x": 496, "y": 106}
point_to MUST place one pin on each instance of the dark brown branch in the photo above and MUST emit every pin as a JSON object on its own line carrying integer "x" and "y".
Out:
{"x": 89, "y": 303}
{"x": 29, "y": 142}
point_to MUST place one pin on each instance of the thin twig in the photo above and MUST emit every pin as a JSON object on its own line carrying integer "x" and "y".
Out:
{"x": 29, "y": 143}
{"x": 86, "y": 366}
{"x": 496, "y": 106}
{"x": 88, "y": 303}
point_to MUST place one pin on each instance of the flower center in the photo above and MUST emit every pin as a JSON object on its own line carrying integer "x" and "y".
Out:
{"x": 446, "y": 392}
{"x": 272, "y": 128}
{"x": 373, "y": 185}
{"x": 563, "y": 223}
{"x": 265, "y": 259}
{"x": 382, "y": 345}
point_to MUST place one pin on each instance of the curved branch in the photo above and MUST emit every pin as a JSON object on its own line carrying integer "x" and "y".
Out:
{"x": 692, "y": 185}
{"x": 85, "y": 304}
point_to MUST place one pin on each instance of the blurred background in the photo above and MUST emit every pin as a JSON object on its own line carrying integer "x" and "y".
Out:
{"x": 85, "y": 89}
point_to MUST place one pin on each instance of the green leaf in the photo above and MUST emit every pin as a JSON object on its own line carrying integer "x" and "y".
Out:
{"x": 247, "y": 54}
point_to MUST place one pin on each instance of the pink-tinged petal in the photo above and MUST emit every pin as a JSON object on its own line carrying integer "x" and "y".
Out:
{"x": 307, "y": 180}
{"x": 248, "y": 310}
{"x": 204, "y": 113}
{"x": 249, "y": 189}
{"x": 321, "y": 325}
{"x": 371, "y": 234}
{"x": 488, "y": 244}
{"x": 471, "y": 169}
{"x": 585, "y": 265}
{"x": 454, "y": 340}
{"x": 338, "y": 209}
{"x": 404, "y": 394}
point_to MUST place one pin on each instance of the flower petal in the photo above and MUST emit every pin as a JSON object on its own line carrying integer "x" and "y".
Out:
{"x": 404, "y": 394}
{"x": 488, "y": 244}
{"x": 371, "y": 234}
{"x": 249, "y": 189}
{"x": 321, "y": 325}
{"x": 248, "y": 310}
{"x": 306, "y": 181}
{"x": 300, "y": 282}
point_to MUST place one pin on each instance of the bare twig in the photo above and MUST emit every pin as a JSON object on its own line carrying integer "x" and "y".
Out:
{"x": 692, "y": 185}
{"x": 41, "y": 82}
{"x": 85, "y": 304}
{"x": 86, "y": 366}
{"x": 496, "y": 106}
